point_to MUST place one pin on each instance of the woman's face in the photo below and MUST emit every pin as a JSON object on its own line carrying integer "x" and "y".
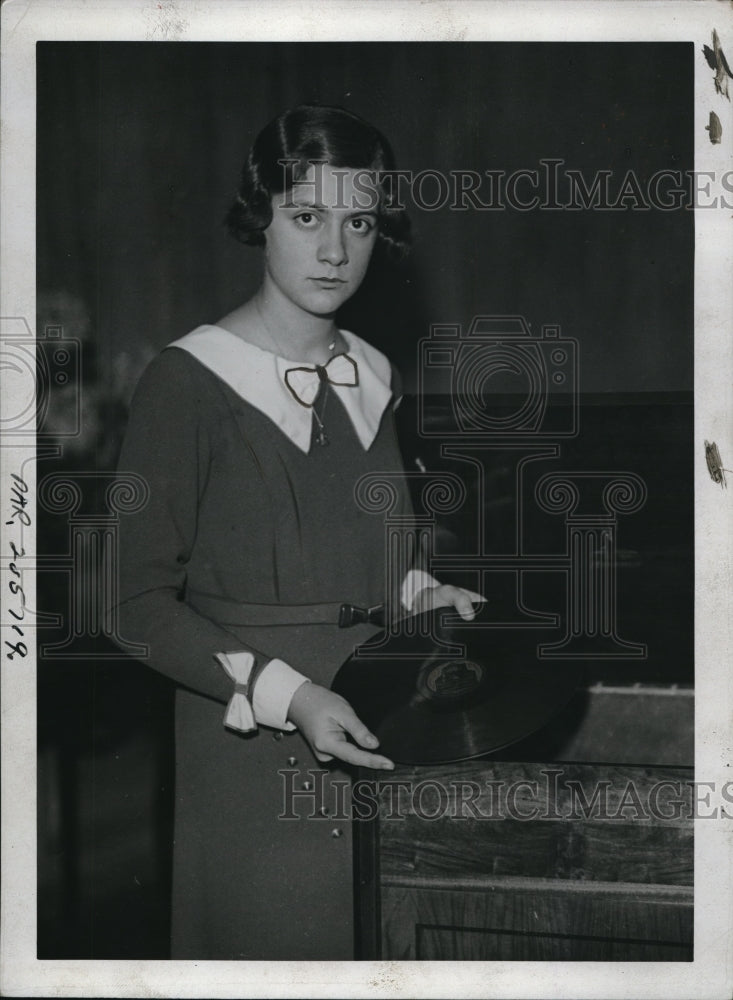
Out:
{"x": 320, "y": 240}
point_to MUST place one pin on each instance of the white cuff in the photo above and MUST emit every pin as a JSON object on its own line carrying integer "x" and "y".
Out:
{"x": 239, "y": 714}
{"x": 273, "y": 692}
{"x": 415, "y": 581}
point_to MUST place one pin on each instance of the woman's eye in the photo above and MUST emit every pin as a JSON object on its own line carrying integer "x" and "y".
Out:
{"x": 362, "y": 225}
{"x": 306, "y": 219}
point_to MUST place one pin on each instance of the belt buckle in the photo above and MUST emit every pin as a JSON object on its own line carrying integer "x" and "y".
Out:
{"x": 346, "y": 615}
{"x": 350, "y": 614}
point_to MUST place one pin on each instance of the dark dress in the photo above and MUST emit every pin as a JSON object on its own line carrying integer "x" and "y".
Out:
{"x": 238, "y": 511}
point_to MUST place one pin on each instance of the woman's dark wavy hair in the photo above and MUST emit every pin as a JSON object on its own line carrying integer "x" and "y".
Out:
{"x": 308, "y": 133}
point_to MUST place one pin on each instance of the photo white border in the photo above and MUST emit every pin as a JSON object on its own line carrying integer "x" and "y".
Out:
{"x": 710, "y": 976}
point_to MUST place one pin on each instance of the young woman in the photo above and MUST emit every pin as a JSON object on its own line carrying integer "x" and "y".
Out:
{"x": 252, "y": 555}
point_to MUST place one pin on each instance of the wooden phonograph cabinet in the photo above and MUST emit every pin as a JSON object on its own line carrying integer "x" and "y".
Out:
{"x": 570, "y": 859}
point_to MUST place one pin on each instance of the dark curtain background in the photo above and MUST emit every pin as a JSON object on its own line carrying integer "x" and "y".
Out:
{"x": 138, "y": 157}
{"x": 140, "y": 147}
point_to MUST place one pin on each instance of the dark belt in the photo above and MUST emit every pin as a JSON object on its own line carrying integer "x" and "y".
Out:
{"x": 239, "y": 613}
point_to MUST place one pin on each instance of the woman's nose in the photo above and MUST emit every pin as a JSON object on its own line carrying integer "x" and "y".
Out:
{"x": 333, "y": 249}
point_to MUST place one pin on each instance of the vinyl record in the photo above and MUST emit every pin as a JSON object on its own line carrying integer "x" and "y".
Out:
{"x": 444, "y": 690}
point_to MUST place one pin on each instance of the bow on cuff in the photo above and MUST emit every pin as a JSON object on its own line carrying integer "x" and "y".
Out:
{"x": 304, "y": 382}
{"x": 239, "y": 714}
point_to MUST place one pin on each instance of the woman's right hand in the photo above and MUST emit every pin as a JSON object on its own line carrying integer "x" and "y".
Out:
{"x": 326, "y": 720}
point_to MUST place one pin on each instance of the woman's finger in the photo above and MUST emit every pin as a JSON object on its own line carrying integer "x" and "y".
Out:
{"x": 361, "y": 758}
{"x": 463, "y": 601}
{"x": 460, "y": 599}
{"x": 352, "y": 724}
{"x": 337, "y": 743}
{"x": 464, "y": 606}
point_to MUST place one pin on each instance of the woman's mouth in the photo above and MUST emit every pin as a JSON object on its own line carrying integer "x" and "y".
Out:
{"x": 329, "y": 282}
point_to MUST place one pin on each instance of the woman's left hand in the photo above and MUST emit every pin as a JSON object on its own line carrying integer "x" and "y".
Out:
{"x": 445, "y": 596}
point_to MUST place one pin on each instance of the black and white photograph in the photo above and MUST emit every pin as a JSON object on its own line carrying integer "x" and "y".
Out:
{"x": 366, "y": 444}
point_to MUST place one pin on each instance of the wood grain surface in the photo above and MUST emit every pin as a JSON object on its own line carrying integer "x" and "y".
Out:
{"x": 537, "y": 921}
{"x": 601, "y": 870}
{"x": 636, "y": 830}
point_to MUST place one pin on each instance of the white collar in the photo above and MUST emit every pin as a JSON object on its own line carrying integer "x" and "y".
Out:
{"x": 257, "y": 376}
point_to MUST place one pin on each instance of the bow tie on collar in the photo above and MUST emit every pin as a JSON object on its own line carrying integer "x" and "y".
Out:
{"x": 304, "y": 382}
